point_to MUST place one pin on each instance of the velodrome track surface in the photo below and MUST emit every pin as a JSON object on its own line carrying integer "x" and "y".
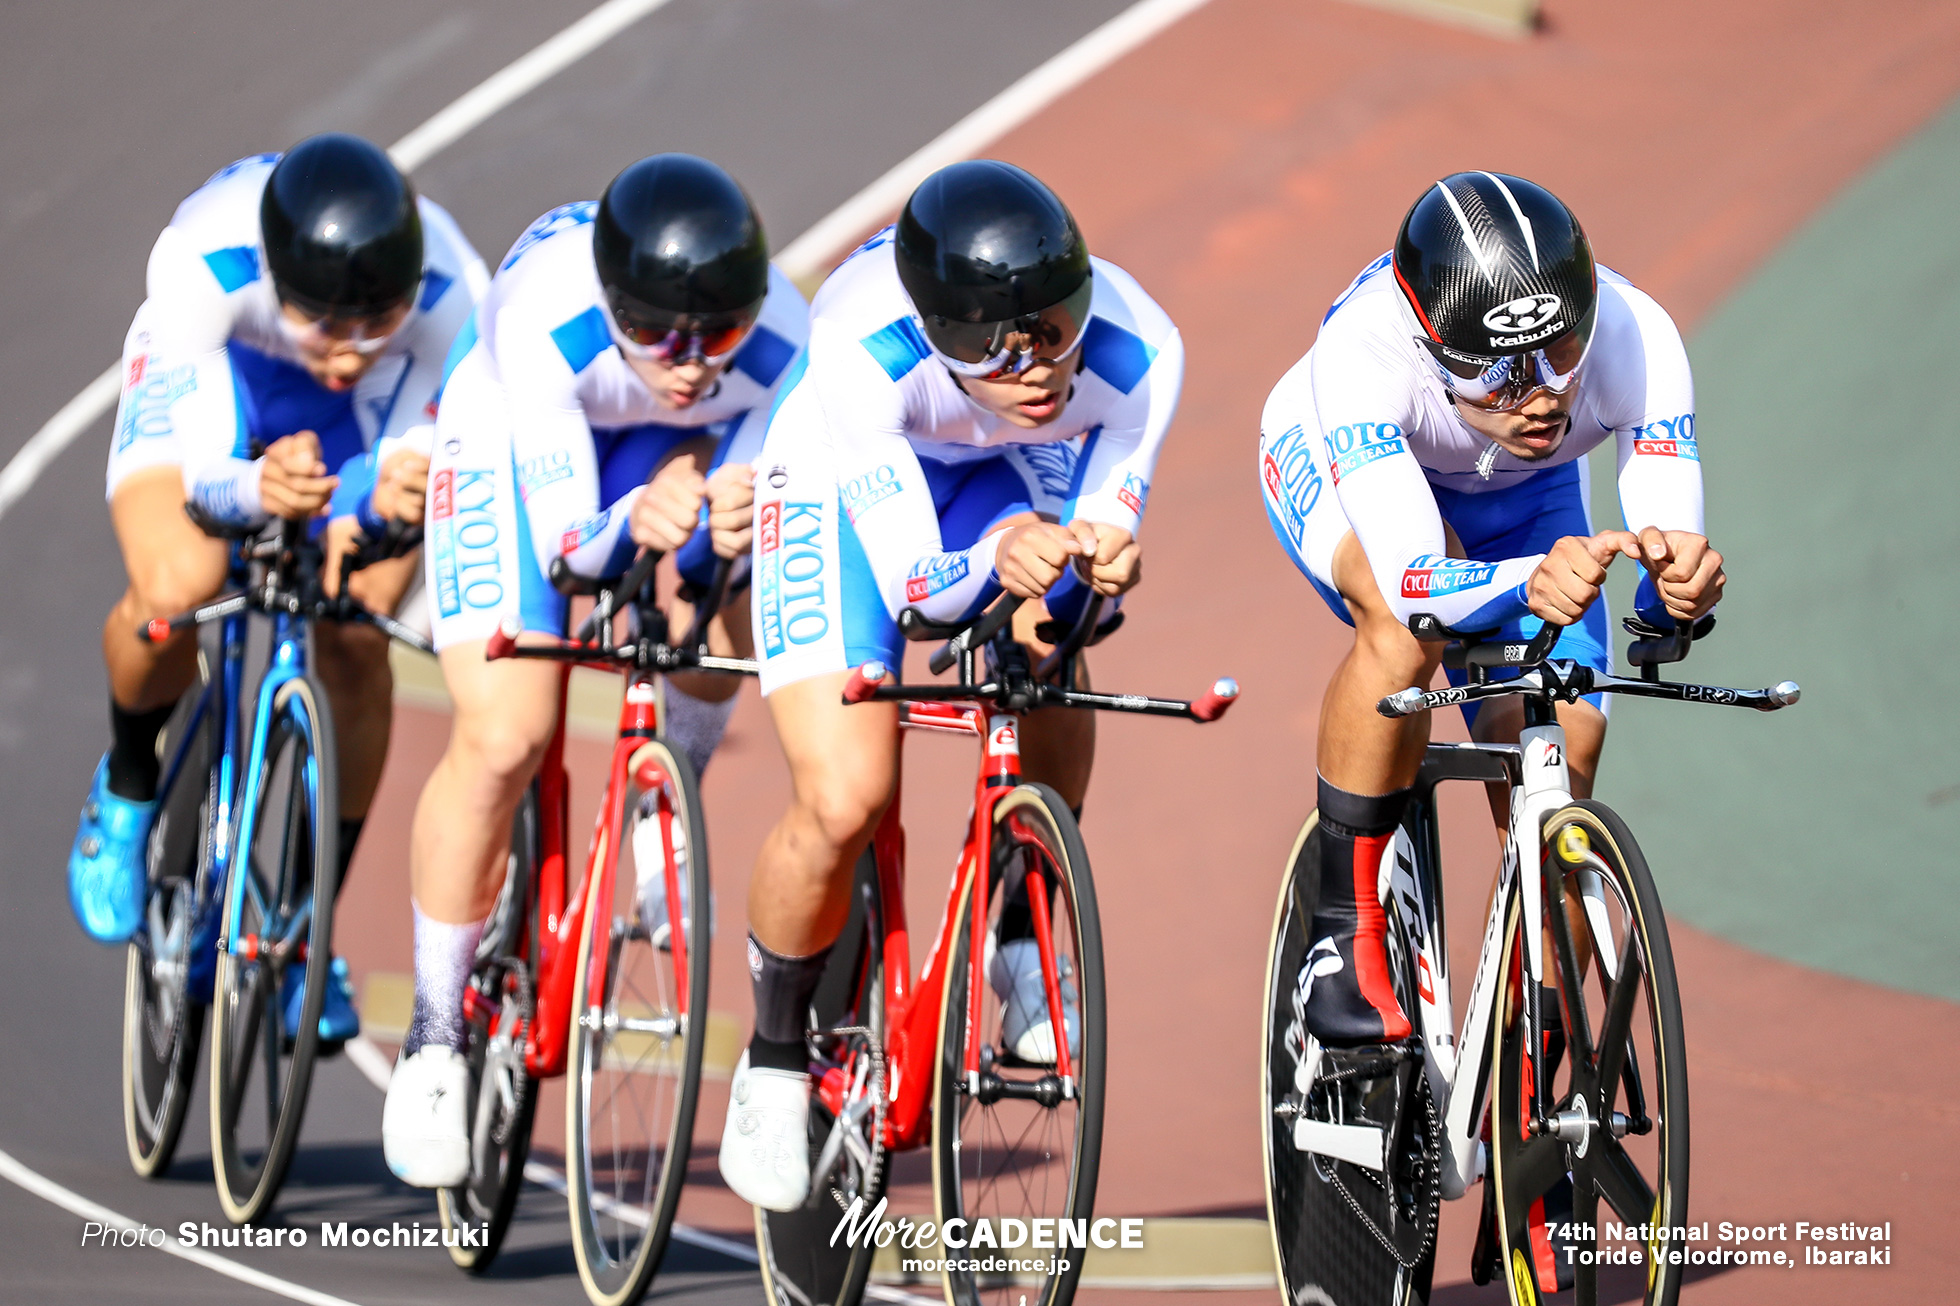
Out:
{"x": 1243, "y": 165}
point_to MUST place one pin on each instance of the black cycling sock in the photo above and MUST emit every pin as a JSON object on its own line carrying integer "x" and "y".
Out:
{"x": 350, "y": 835}
{"x": 1353, "y": 1002}
{"x": 133, "y": 765}
{"x": 783, "y": 987}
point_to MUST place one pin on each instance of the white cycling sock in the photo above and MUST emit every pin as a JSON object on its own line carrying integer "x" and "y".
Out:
{"x": 695, "y": 725}
{"x": 444, "y": 954}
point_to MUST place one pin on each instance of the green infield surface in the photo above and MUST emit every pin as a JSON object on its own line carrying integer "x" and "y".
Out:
{"x": 1828, "y": 834}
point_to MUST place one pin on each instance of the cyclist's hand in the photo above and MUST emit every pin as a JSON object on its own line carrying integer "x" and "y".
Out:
{"x": 401, "y": 485}
{"x": 1032, "y": 557}
{"x": 666, "y": 512}
{"x": 340, "y": 539}
{"x": 731, "y": 508}
{"x": 1686, "y": 571}
{"x": 1117, "y": 563}
{"x": 293, "y": 482}
{"x": 1568, "y": 580}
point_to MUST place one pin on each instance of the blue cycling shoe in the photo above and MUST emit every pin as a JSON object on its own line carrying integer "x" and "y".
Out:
{"x": 338, "y": 1019}
{"x": 107, "y": 879}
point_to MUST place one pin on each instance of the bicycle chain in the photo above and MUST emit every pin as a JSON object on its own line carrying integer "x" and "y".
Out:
{"x": 1431, "y": 1199}
{"x": 521, "y": 1076}
{"x": 877, "y": 1052}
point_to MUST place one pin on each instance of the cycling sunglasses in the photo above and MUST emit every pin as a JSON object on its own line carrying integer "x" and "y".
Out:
{"x": 677, "y": 338}
{"x": 326, "y": 328}
{"x": 987, "y": 351}
{"x": 1507, "y": 382}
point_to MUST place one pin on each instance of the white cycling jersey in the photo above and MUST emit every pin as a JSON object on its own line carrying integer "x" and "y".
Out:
{"x": 1365, "y": 418}
{"x": 207, "y": 365}
{"x": 874, "y": 410}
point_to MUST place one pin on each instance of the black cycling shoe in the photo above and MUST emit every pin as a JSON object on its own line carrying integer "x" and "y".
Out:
{"x": 1348, "y": 1004}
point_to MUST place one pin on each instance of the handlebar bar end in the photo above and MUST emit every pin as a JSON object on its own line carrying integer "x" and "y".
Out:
{"x": 1223, "y": 693}
{"x": 503, "y": 640}
{"x": 864, "y": 682}
{"x": 156, "y": 630}
{"x": 1785, "y": 693}
{"x": 1406, "y": 703}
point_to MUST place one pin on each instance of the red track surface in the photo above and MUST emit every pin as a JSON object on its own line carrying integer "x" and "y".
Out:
{"x": 1244, "y": 166}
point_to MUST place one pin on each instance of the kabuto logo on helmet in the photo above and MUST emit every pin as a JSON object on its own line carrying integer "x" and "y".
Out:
{"x": 1523, "y": 315}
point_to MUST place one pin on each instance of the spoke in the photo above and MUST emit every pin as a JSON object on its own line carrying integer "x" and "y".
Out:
{"x": 1620, "y": 1182}
{"x": 1531, "y": 1171}
{"x": 1614, "y": 1030}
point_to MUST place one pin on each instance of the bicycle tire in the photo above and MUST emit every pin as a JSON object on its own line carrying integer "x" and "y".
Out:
{"x": 1522, "y": 1167}
{"x": 503, "y": 1096}
{"x": 800, "y": 1263}
{"x": 246, "y": 993}
{"x": 1320, "y": 1213}
{"x": 636, "y": 1182}
{"x": 1056, "y": 1176}
{"x": 163, "y": 1023}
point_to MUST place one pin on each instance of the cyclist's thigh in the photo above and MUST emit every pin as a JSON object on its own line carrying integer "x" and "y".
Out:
{"x": 502, "y": 713}
{"x": 1303, "y": 510}
{"x": 172, "y": 565}
{"x": 843, "y": 758}
{"x": 477, "y": 545}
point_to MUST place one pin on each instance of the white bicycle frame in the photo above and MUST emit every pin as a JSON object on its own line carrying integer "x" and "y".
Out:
{"x": 1458, "y": 1065}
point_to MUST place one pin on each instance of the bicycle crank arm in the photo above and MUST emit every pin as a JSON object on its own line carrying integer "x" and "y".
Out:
{"x": 1362, "y": 1145}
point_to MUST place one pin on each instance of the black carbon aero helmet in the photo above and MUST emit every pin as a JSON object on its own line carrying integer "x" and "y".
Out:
{"x": 1499, "y": 274}
{"x": 986, "y": 251}
{"x": 342, "y": 233}
{"x": 681, "y": 256}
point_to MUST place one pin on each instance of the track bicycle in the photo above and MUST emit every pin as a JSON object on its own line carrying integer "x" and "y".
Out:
{"x": 244, "y": 843}
{"x": 898, "y": 1063}
{"x": 605, "y": 980}
{"x": 1566, "y": 1089}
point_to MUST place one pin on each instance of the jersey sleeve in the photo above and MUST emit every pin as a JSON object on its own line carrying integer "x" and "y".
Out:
{"x": 1113, "y": 473}
{"x": 190, "y": 323}
{"x": 1363, "y": 408}
{"x": 895, "y": 522}
{"x": 557, "y": 466}
{"x": 1660, "y": 462}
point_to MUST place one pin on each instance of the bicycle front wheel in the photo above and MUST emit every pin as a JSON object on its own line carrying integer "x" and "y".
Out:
{"x": 163, "y": 1014}
{"x": 1616, "y": 1076}
{"x": 1342, "y": 1232}
{"x": 281, "y": 894}
{"x": 1016, "y": 1139}
{"x": 503, "y": 1093}
{"x": 640, "y": 998}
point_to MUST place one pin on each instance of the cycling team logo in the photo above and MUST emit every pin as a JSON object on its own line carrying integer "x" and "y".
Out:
{"x": 1523, "y": 315}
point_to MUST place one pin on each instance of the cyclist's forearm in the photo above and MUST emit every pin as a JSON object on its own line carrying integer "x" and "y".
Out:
{"x": 226, "y": 489}
{"x": 597, "y": 545}
{"x": 948, "y": 586}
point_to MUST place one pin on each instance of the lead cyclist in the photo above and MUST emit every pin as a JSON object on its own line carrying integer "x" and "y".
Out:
{"x": 1425, "y": 457}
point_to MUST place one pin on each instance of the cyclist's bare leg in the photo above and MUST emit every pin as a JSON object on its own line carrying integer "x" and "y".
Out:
{"x": 843, "y": 765}
{"x": 1359, "y": 749}
{"x": 503, "y": 716}
{"x": 353, "y": 664}
{"x": 172, "y": 567}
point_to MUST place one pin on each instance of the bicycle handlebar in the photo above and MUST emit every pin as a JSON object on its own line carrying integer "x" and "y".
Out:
{"x": 977, "y": 632}
{"x": 1566, "y": 681}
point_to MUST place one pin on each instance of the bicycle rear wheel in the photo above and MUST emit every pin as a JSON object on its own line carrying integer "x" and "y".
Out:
{"x": 1022, "y": 1142}
{"x": 801, "y": 1265}
{"x": 163, "y": 1017}
{"x": 1342, "y": 1233}
{"x": 504, "y": 1096}
{"x": 260, "y": 1071}
{"x": 1618, "y": 1094}
{"x": 641, "y": 1001}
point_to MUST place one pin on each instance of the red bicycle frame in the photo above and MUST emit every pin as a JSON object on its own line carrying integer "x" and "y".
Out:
{"x": 561, "y": 915}
{"x": 912, "y": 1010}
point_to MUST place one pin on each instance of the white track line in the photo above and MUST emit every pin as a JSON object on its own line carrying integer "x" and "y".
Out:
{"x": 47, "y": 1189}
{"x": 1027, "y": 97}
{"x": 801, "y": 258}
{"x": 410, "y": 152}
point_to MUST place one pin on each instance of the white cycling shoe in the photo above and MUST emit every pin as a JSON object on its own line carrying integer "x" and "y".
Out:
{"x": 425, "y": 1132}
{"x": 765, "y": 1146}
{"x": 1015, "y": 973}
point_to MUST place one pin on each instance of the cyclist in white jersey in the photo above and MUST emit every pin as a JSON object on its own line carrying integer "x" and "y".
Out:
{"x": 609, "y": 395}
{"x": 1425, "y": 457}
{"x": 981, "y": 408}
{"x": 303, "y": 303}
